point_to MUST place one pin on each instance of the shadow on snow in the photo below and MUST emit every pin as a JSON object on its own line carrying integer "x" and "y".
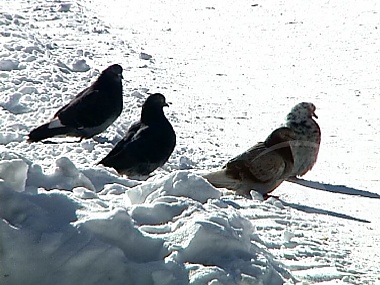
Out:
{"x": 341, "y": 189}
{"x": 334, "y": 188}
{"x": 308, "y": 209}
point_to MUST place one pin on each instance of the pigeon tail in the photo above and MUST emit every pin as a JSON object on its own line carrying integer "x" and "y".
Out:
{"x": 107, "y": 161}
{"x": 219, "y": 179}
{"x": 44, "y": 132}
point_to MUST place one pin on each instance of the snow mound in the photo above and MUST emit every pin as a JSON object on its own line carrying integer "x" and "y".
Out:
{"x": 180, "y": 183}
{"x": 65, "y": 177}
{"x": 9, "y": 64}
{"x": 12, "y": 101}
{"x": 177, "y": 229}
{"x": 13, "y": 174}
{"x": 80, "y": 65}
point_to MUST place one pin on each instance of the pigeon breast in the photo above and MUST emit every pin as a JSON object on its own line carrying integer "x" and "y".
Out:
{"x": 147, "y": 144}
{"x": 308, "y": 137}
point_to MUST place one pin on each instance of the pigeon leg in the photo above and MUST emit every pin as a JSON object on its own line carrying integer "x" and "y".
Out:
{"x": 267, "y": 196}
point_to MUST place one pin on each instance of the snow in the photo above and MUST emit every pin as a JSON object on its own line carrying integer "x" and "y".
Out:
{"x": 9, "y": 64}
{"x": 232, "y": 72}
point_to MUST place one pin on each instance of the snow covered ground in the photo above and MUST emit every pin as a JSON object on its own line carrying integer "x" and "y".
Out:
{"x": 232, "y": 70}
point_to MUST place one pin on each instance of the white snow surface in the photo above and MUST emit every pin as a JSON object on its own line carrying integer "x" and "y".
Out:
{"x": 232, "y": 70}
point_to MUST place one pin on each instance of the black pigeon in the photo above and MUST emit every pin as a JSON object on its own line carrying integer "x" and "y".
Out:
{"x": 91, "y": 112}
{"x": 148, "y": 143}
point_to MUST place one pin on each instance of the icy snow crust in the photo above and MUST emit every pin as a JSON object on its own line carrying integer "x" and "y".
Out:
{"x": 232, "y": 72}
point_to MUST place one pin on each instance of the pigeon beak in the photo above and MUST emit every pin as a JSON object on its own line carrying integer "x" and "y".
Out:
{"x": 121, "y": 76}
{"x": 314, "y": 115}
{"x": 167, "y": 104}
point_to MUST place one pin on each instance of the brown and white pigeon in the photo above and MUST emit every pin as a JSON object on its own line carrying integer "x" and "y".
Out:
{"x": 308, "y": 137}
{"x": 261, "y": 168}
{"x": 148, "y": 142}
{"x": 91, "y": 112}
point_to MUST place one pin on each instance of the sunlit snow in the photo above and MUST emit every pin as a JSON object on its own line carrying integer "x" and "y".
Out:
{"x": 232, "y": 71}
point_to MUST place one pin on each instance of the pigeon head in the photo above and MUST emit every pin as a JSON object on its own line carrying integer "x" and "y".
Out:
{"x": 113, "y": 71}
{"x": 152, "y": 109}
{"x": 155, "y": 101}
{"x": 301, "y": 112}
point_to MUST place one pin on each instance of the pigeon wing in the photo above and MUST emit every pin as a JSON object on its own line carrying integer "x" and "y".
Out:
{"x": 122, "y": 146}
{"x": 257, "y": 164}
{"x": 240, "y": 160}
{"x": 88, "y": 109}
{"x": 87, "y": 90}
{"x": 267, "y": 167}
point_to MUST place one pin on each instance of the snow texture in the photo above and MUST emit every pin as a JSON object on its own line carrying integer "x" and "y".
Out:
{"x": 232, "y": 71}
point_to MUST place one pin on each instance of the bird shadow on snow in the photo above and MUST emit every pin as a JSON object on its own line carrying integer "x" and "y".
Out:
{"x": 341, "y": 189}
{"x": 308, "y": 209}
{"x": 329, "y": 188}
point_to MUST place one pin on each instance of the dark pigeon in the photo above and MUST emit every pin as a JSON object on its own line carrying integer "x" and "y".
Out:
{"x": 91, "y": 112}
{"x": 261, "y": 168}
{"x": 148, "y": 143}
